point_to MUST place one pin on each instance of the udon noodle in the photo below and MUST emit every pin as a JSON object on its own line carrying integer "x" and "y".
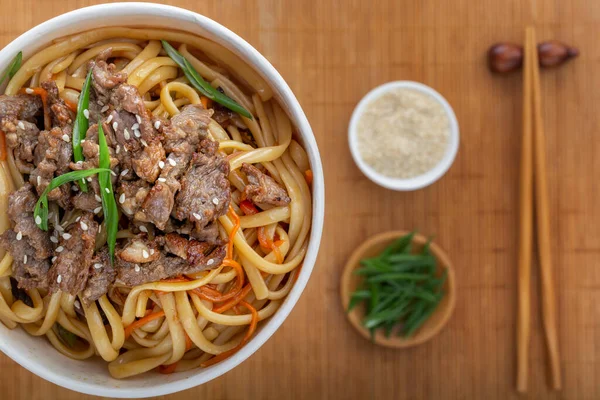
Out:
{"x": 173, "y": 324}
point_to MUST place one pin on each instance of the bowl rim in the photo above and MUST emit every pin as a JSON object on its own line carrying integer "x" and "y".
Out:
{"x": 417, "y": 182}
{"x": 260, "y": 64}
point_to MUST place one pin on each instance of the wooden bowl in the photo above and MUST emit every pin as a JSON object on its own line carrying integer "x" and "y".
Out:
{"x": 436, "y": 321}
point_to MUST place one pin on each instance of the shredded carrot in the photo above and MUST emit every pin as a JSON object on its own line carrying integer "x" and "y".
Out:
{"x": 206, "y": 102}
{"x": 167, "y": 369}
{"x": 236, "y": 310}
{"x": 188, "y": 342}
{"x": 72, "y": 106}
{"x": 236, "y": 226}
{"x": 210, "y": 294}
{"x": 277, "y": 251}
{"x": 143, "y": 321}
{"x": 2, "y": 146}
{"x": 298, "y": 273}
{"x": 247, "y": 336}
{"x": 238, "y": 298}
{"x": 267, "y": 244}
{"x": 248, "y": 208}
{"x": 308, "y": 174}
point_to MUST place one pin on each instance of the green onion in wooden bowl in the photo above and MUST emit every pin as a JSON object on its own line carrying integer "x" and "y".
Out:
{"x": 398, "y": 289}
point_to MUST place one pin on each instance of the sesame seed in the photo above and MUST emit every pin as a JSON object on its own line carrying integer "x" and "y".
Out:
{"x": 197, "y": 216}
{"x": 86, "y": 113}
{"x": 145, "y": 254}
{"x": 215, "y": 201}
{"x": 29, "y": 91}
{"x": 25, "y": 259}
{"x": 144, "y": 142}
{"x": 97, "y": 265}
{"x": 78, "y": 219}
{"x": 59, "y": 228}
{"x": 21, "y": 125}
{"x": 59, "y": 249}
{"x": 172, "y": 162}
{"x": 135, "y": 126}
{"x": 115, "y": 125}
{"x": 137, "y": 133}
{"x": 98, "y": 198}
{"x": 89, "y": 178}
{"x": 124, "y": 172}
{"x": 157, "y": 125}
{"x": 122, "y": 198}
{"x": 38, "y": 220}
{"x": 118, "y": 149}
{"x": 53, "y": 239}
{"x": 65, "y": 137}
{"x": 99, "y": 228}
{"x": 59, "y": 279}
{"x": 67, "y": 236}
{"x": 39, "y": 180}
{"x": 74, "y": 188}
{"x": 77, "y": 304}
{"x": 80, "y": 162}
{"x": 162, "y": 180}
{"x": 54, "y": 259}
{"x": 125, "y": 148}
{"x": 19, "y": 235}
{"x": 138, "y": 119}
{"x": 104, "y": 109}
{"x": 97, "y": 210}
{"x": 161, "y": 164}
{"x": 113, "y": 173}
{"x": 126, "y": 134}
{"x": 100, "y": 102}
{"x": 83, "y": 226}
{"x": 143, "y": 229}
{"x": 137, "y": 268}
{"x": 106, "y": 190}
{"x": 110, "y": 117}
{"x": 151, "y": 251}
{"x": 210, "y": 262}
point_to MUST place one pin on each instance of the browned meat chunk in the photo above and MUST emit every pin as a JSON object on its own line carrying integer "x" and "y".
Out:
{"x": 262, "y": 189}
{"x": 104, "y": 79}
{"x": 131, "y": 195}
{"x": 102, "y": 275}
{"x": 139, "y": 251}
{"x": 205, "y": 191}
{"x": 21, "y": 106}
{"x": 157, "y": 206}
{"x": 60, "y": 113}
{"x": 71, "y": 269}
{"x": 21, "y": 137}
{"x": 30, "y": 272}
{"x": 210, "y": 233}
{"x": 29, "y": 246}
{"x": 198, "y": 254}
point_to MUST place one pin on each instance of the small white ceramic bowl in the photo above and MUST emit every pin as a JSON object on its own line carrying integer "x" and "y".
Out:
{"x": 91, "y": 376}
{"x": 419, "y": 181}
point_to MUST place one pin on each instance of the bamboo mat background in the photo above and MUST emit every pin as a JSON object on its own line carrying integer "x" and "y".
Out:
{"x": 331, "y": 53}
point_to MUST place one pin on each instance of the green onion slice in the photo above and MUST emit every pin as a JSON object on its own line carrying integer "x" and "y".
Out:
{"x": 109, "y": 205}
{"x": 81, "y": 124}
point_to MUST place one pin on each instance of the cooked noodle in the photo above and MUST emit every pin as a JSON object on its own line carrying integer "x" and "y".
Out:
{"x": 176, "y": 325}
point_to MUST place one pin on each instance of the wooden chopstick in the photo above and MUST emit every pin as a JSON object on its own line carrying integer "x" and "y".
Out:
{"x": 533, "y": 157}
{"x": 525, "y": 223}
{"x": 543, "y": 225}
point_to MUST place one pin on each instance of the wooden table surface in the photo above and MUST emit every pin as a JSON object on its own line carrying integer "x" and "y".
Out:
{"x": 331, "y": 53}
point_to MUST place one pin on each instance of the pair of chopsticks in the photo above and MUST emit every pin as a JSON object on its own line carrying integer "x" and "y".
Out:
{"x": 533, "y": 182}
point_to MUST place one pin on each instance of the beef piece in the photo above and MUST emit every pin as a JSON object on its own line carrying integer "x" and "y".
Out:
{"x": 139, "y": 251}
{"x": 20, "y": 210}
{"x": 52, "y": 157}
{"x": 145, "y": 162}
{"x": 223, "y": 116}
{"x": 21, "y": 106}
{"x": 131, "y": 194}
{"x": 60, "y": 113}
{"x": 21, "y": 137}
{"x": 86, "y": 201}
{"x": 205, "y": 191}
{"x": 105, "y": 79}
{"x": 210, "y": 233}
{"x": 198, "y": 254}
{"x": 262, "y": 189}
{"x": 127, "y": 97}
{"x": 157, "y": 206}
{"x": 133, "y": 274}
{"x": 71, "y": 269}
{"x": 20, "y": 294}
{"x": 30, "y": 272}
{"x": 102, "y": 275}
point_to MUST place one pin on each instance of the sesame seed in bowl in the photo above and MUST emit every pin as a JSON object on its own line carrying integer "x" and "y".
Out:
{"x": 403, "y": 135}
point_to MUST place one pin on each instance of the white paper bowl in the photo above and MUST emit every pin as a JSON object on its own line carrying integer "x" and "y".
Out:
{"x": 419, "y": 181}
{"x": 91, "y": 376}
